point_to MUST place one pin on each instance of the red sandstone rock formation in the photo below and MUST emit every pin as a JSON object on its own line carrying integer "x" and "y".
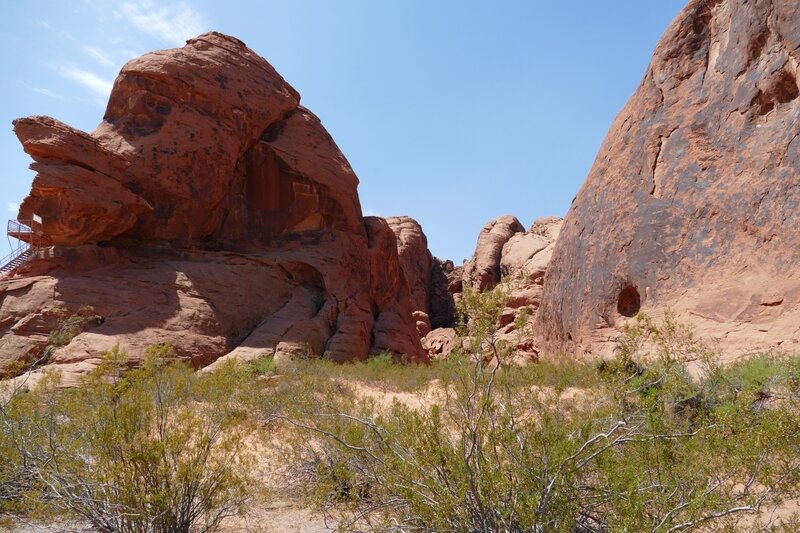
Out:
{"x": 433, "y": 282}
{"x": 483, "y": 270}
{"x": 693, "y": 201}
{"x": 521, "y": 258}
{"x": 210, "y": 210}
{"x": 395, "y": 325}
{"x": 415, "y": 260}
{"x": 445, "y": 283}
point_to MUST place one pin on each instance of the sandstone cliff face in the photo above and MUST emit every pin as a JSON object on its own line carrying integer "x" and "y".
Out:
{"x": 692, "y": 203}
{"x": 208, "y": 209}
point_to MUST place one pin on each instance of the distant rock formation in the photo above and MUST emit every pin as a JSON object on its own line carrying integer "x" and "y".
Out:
{"x": 483, "y": 270}
{"x": 504, "y": 251}
{"x": 693, "y": 202}
{"x": 445, "y": 283}
{"x": 208, "y": 209}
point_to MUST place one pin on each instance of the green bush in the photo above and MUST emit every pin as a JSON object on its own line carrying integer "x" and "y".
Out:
{"x": 505, "y": 449}
{"x": 633, "y": 443}
{"x": 159, "y": 448}
{"x": 264, "y": 365}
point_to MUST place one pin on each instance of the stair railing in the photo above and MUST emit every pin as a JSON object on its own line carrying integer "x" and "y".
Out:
{"x": 25, "y": 240}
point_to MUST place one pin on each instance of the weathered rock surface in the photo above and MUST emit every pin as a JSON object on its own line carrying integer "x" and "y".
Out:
{"x": 208, "y": 209}
{"x": 74, "y": 190}
{"x": 415, "y": 259}
{"x": 528, "y": 254}
{"x": 445, "y": 282}
{"x": 521, "y": 261}
{"x": 395, "y": 325}
{"x": 441, "y": 342}
{"x": 693, "y": 202}
{"x": 483, "y": 270}
{"x": 524, "y": 260}
{"x": 428, "y": 277}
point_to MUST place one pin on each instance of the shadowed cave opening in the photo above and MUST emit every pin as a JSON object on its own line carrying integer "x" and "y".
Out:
{"x": 628, "y": 302}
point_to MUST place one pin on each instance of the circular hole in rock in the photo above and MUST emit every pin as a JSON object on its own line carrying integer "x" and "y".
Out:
{"x": 628, "y": 302}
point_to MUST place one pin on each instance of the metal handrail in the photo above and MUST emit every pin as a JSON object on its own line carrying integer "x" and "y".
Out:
{"x": 15, "y": 229}
{"x": 22, "y": 226}
{"x": 13, "y": 255}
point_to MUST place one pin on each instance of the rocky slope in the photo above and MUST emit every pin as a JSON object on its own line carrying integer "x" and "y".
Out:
{"x": 208, "y": 209}
{"x": 693, "y": 200}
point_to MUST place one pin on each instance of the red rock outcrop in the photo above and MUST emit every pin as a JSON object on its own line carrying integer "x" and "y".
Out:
{"x": 445, "y": 283}
{"x": 75, "y": 190}
{"x": 208, "y": 209}
{"x": 692, "y": 202}
{"x": 395, "y": 326}
{"x": 522, "y": 261}
{"x": 432, "y": 282}
{"x": 528, "y": 254}
{"x": 483, "y": 270}
{"x": 415, "y": 259}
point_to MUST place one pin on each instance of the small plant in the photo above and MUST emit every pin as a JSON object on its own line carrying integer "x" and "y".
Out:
{"x": 70, "y": 325}
{"x": 67, "y": 328}
{"x": 379, "y": 363}
{"x": 264, "y": 365}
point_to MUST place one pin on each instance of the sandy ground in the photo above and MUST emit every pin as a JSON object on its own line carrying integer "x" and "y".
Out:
{"x": 279, "y": 513}
{"x": 279, "y": 517}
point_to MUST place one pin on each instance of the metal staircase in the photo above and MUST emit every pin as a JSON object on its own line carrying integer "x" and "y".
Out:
{"x": 15, "y": 260}
{"x": 25, "y": 238}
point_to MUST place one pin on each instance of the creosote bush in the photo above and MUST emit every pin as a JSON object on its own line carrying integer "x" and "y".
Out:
{"x": 631, "y": 444}
{"x": 159, "y": 448}
{"x": 472, "y": 443}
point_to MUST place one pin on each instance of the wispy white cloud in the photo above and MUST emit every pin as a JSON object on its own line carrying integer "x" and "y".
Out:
{"x": 99, "y": 56}
{"x": 13, "y": 207}
{"x": 172, "y": 24}
{"x": 47, "y": 92}
{"x": 371, "y": 213}
{"x": 90, "y": 80}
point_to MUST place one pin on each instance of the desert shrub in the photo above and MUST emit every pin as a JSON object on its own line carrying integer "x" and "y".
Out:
{"x": 19, "y": 485}
{"x": 70, "y": 325}
{"x": 763, "y": 373}
{"x": 505, "y": 450}
{"x": 158, "y": 448}
{"x": 264, "y": 365}
{"x": 478, "y": 313}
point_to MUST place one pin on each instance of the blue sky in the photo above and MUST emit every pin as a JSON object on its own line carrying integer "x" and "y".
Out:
{"x": 452, "y": 112}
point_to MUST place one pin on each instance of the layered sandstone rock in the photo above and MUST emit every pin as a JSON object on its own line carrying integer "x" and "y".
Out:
{"x": 524, "y": 260}
{"x": 432, "y": 281}
{"x": 208, "y": 209}
{"x": 395, "y": 324}
{"x": 415, "y": 259}
{"x": 692, "y": 203}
